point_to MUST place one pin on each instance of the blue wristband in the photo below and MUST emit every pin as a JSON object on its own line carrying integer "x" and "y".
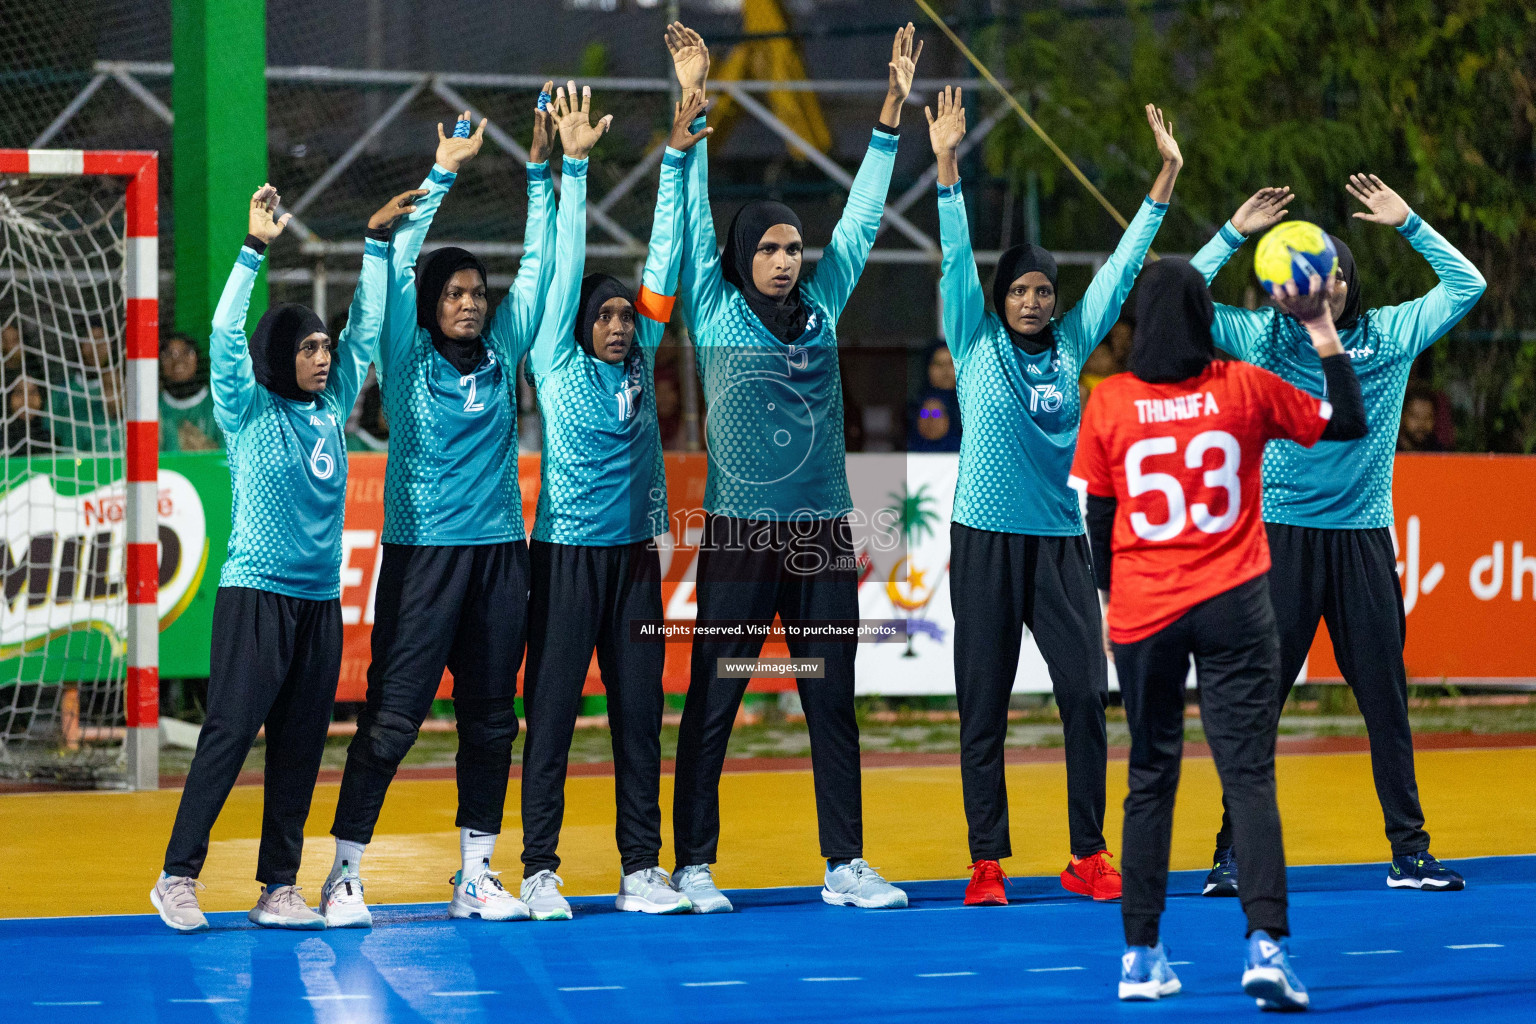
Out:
{"x": 461, "y": 130}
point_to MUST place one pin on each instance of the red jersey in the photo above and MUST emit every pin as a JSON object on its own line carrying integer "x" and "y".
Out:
{"x": 1182, "y": 461}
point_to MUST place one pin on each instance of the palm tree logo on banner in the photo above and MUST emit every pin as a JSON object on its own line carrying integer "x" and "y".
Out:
{"x": 908, "y": 584}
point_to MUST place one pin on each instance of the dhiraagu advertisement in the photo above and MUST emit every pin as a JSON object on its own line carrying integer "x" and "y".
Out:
{"x": 64, "y": 613}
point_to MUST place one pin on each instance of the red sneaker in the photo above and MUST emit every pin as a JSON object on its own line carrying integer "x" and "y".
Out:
{"x": 1092, "y": 876}
{"x": 986, "y": 888}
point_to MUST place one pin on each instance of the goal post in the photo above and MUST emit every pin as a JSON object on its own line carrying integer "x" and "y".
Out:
{"x": 73, "y": 266}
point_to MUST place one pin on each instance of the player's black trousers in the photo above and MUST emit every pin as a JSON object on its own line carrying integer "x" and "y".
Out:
{"x": 747, "y": 571}
{"x": 1237, "y": 662}
{"x": 274, "y": 662}
{"x": 585, "y": 598}
{"x": 1348, "y": 578}
{"x": 464, "y": 608}
{"x": 998, "y": 584}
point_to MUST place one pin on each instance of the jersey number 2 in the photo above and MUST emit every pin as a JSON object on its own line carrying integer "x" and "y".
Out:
{"x": 1224, "y": 475}
{"x": 470, "y": 405}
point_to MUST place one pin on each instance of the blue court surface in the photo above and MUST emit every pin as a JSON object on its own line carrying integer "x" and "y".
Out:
{"x": 1367, "y": 954}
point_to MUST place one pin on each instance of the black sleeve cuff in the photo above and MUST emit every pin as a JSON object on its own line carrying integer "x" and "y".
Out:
{"x": 1101, "y": 525}
{"x": 881, "y": 126}
{"x": 1348, "y": 420}
{"x": 380, "y": 234}
{"x": 255, "y": 244}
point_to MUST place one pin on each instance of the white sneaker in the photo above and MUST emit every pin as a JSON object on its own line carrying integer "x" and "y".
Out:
{"x": 284, "y": 907}
{"x": 697, "y": 882}
{"x": 175, "y": 897}
{"x": 541, "y": 892}
{"x": 650, "y": 891}
{"x": 485, "y": 897}
{"x": 859, "y": 885}
{"x": 341, "y": 901}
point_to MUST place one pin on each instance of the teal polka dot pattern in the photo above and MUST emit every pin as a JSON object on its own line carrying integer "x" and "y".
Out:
{"x": 1342, "y": 485}
{"x": 774, "y": 424}
{"x": 288, "y": 472}
{"x": 602, "y": 478}
{"x": 1019, "y": 414}
{"x": 452, "y": 472}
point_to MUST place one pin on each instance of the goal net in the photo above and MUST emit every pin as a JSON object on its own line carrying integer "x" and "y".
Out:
{"x": 74, "y": 326}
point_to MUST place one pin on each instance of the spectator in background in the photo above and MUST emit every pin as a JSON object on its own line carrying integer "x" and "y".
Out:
{"x": 370, "y": 433}
{"x": 1417, "y": 430}
{"x": 933, "y": 422}
{"x": 87, "y": 404}
{"x": 26, "y": 423}
{"x": 186, "y": 404}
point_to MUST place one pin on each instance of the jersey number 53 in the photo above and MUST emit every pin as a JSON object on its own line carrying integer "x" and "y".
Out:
{"x": 1223, "y": 475}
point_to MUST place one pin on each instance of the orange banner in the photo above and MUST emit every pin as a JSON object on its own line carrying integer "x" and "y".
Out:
{"x": 1465, "y": 534}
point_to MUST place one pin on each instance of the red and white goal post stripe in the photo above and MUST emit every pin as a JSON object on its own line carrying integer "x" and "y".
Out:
{"x": 142, "y": 287}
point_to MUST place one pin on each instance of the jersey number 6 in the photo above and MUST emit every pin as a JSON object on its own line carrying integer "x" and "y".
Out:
{"x": 1224, "y": 475}
{"x": 320, "y": 463}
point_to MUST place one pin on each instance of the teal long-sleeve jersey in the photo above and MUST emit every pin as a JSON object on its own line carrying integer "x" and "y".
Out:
{"x": 1344, "y": 485}
{"x": 775, "y": 419}
{"x": 452, "y": 472}
{"x": 287, "y": 459}
{"x": 602, "y": 478}
{"x": 1021, "y": 411}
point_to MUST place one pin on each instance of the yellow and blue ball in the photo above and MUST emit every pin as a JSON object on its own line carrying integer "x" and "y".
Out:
{"x": 1293, "y": 250}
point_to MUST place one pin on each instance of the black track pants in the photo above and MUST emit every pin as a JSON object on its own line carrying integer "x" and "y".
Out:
{"x": 464, "y": 608}
{"x": 1237, "y": 662}
{"x": 584, "y": 598}
{"x": 1000, "y": 583}
{"x": 274, "y": 662}
{"x": 747, "y": 571}
{"x": 1348, "y": 578}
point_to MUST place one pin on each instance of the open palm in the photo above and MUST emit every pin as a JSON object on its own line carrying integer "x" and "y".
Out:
{"x": 261, "y": 223}
{"x": 577, "y": 134}
{"x": 690, "y": 57}
{"x": 903, "y": 62}
{"x": 1386, "y": 206}
{"x": 1263, "y": 210}
{"x": 453, "y": 153}
{"x": 1162, "y": 131}
{"x": 947, "y": 129}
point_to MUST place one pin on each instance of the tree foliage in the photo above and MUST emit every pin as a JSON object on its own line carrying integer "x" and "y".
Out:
{"x": 1436, "y": 98}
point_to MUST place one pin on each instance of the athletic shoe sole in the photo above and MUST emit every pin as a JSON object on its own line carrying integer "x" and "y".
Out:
{"x": 710, "y": 905}
{"x": 1219, "y": 889}
{"x": 463, "y": 913}
{"x": 641, "y": 905}
{"x": 549, "y": 915}
{"x": 347, "y": 917}
{"x": 154, "y": 897}
{"x": 266, "y": 920}
{"x": 986, "y": 901}
{"x": 1424, "y": 884}
{"x": 1271, "y": 991}
{"x": 1079, "y": 887}
{"x": 845, "y": 899}
{"x": 1148, "y": 991}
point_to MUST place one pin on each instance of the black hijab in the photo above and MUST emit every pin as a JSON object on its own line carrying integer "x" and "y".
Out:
{"x": 784, "y": 318}
{"x": 596, "y": 289}
{"x": 1174, "y": 313}
{"x": 274, "y": 346}
{"x": 1351, "y": 314}
{"x": 432, "y": 275}
{"x": 1012, "y": 265}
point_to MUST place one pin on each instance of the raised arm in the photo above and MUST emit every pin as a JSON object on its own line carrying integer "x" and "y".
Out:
{"x": 1237, "y": 330}
{"x": 399, "y": 329}
{"x": 231, "y": 377}
{"x": 658, "y": 284}
{"x": 965, "y": 304}
{"x": 1418, "y": 324}
{"x": 701, "y": 284}
{"x": 359, "y": 340}
{"x": 515, "y": 326}
{"x": 842, "y": 261}
{"x": 1090, "y": 320}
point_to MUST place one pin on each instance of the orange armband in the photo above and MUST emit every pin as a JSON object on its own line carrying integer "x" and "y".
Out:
{"x": 654, "y": 307}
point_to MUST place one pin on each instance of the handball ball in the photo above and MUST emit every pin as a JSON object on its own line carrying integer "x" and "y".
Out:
{"x": 1290, "y": 251}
